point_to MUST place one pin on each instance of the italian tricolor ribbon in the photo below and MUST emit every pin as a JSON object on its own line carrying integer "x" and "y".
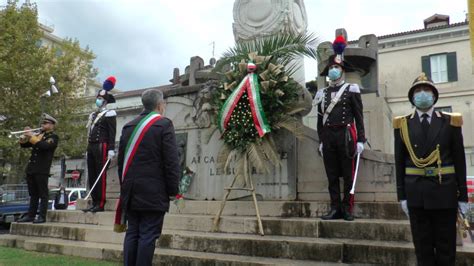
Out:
{"x": 250, "y": 86}
{"x": 130, "y": 151}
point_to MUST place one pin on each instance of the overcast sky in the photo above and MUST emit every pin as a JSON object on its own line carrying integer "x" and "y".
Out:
{"x": 141, "y": 41}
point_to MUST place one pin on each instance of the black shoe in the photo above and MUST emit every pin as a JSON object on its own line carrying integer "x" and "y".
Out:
{"x": 39, "y": 220}
{"x": 332, "y": 215}
{"x": 348, "y": 216}
{"x": 26, "y": 219}
{"x": 88, "y": 209}
{"x": 97, "y": 209}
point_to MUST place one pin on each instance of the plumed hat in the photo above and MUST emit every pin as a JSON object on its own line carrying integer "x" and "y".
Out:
{"x": 108, "y": 85}
{"x": 337, "y": 58}
{"x": 422, "y": 79}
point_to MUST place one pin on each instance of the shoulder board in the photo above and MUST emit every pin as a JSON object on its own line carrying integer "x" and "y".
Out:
{"x": 397, "y": 121}
{"x": 456, "y": 119}
{"x": 110, "y": 113}
{"x": 354, "y": 88}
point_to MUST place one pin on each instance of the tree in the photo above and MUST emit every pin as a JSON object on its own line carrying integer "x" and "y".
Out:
{"x": 25, "y": 68}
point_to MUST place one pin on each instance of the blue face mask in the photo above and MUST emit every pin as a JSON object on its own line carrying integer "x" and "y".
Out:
{"x": 334, "y": 73}
{"x": 99, "y": 102}
{"x": 423, "y": 99}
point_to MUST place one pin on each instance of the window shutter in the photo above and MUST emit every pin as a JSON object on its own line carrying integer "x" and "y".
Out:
{"x": 452, "y": 66}
{"x": 425, "y": 65}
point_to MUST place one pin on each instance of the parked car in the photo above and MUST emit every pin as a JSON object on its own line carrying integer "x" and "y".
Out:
{"x": 74, "y": 193}
{"x": 14, "y": 202}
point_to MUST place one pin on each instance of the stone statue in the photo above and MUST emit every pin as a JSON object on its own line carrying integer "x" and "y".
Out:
{"x": 254, "y": 19}
{"x": 202, "y": 106}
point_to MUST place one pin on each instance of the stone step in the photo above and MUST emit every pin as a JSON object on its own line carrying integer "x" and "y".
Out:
{"x": 207, "y": 252}
{"x": 300, "y": 248}
{"x": 374, "y": 229}
{"x": 113, "y": 252}
{"x": 376, "y": 210}
{"x": 238, "y": 244}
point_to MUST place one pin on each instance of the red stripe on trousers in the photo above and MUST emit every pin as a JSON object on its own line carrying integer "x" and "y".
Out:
{"x": 104, "y": 175}
{"x": 353, "y": 132}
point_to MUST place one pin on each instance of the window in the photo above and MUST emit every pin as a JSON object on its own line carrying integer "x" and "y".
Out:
{"x": 447, "y": 109}
{"x": 73, "y": 196}
{"x": 440, "y": 67}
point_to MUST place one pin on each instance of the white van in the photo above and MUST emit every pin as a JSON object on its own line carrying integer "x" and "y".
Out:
{"x": 74, "y": 193}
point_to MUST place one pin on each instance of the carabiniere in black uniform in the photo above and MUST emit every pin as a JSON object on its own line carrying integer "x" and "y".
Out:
{"x": 101, "y": 140}
{"x": 102, "y": 129}
{"x": 339, "y": 136}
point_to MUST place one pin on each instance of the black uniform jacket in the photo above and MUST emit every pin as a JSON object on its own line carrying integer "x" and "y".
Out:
{"x": 104, "y": 129}
{"x": 424, "y": 191}
{"x": 154, "y": 173}
{"x": 348, "y": 109}
{"x": 41, "y": 154}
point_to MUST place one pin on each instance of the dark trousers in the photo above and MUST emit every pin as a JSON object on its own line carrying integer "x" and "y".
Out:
{"x": 96, "y": 158}
{"x": 38, "y": 190}
{"x": 338, "y": 164}
{"x": 144, "y": 228}
{"x": 434, "y": 236}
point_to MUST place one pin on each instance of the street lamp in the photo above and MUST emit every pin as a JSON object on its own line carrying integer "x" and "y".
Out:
{"x": 48, "y": 93}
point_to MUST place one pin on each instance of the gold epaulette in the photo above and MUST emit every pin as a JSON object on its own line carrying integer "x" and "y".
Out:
{"x": 456, "y": 119}
{"x": 35, "y": 139}
{"x": 397, "y": 122}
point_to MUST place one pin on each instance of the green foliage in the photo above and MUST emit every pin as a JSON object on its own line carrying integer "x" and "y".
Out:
{"x": 241, "y": 129}
{"x": 16, "y": 256}
{"x": 283, "y": 48}
{"x": 25, "y": 68}
{"x": 278, "y": 96}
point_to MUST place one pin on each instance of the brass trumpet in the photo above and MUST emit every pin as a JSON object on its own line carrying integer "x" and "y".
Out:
{"x": 18, "y": 134}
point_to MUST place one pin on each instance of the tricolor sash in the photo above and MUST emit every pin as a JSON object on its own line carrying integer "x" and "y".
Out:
{"x": 250, "y": 86}
{"x": 130, "y": 151}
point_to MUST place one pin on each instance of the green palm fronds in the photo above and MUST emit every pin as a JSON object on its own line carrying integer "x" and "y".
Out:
{"x": 282, "y": 48}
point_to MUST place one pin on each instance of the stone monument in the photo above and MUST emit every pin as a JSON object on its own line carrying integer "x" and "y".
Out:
{"x": 257, "y": 19}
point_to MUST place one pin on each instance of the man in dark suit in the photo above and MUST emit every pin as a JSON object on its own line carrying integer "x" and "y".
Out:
{"x": 431, "y": 174}
{"x": 43, "y": 146}
{"x": 150, "y": 171}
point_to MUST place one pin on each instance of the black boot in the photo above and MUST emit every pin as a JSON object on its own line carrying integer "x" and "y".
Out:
{"x": 89, "y": 209}
{"x": 97, "y": 209}
{"x": 26, "y": 219}
{"x": 39, "y": 220}
{"x": 348, "y": 216}
{"x": 333, "y": 214}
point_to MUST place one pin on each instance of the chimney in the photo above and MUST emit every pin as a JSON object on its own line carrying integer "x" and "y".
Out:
{"x": 436, "y": 20}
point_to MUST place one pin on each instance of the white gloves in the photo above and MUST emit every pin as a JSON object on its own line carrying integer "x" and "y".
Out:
{"x": 111, "y": 154}
{"x": 463, "y": 206}
{"x": 360, "y": 147}
{"x": 404, "y": 206}
{"x": 320, "y": 149}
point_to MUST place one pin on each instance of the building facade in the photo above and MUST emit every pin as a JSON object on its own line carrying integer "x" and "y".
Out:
{"x": 442, "y": 51}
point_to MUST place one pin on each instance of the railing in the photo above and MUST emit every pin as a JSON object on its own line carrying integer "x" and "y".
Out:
{"x": 13, "y": 192}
